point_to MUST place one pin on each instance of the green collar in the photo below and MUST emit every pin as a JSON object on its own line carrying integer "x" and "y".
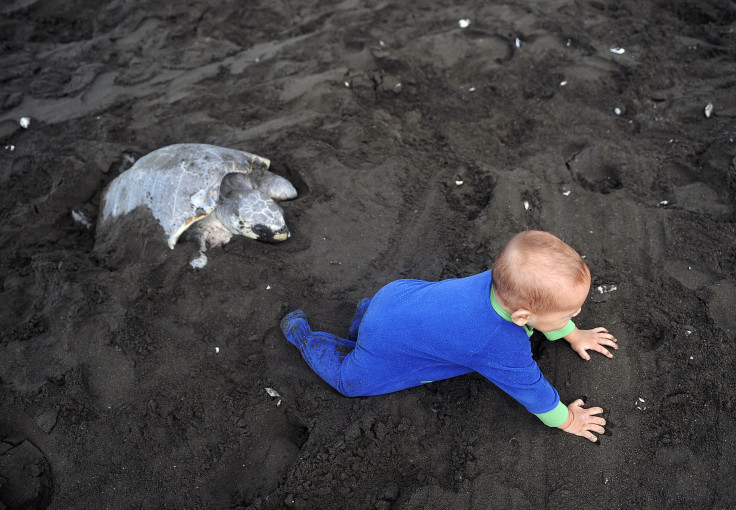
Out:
{"x": 551, "y": 335}
{"x": 506, "y": 315}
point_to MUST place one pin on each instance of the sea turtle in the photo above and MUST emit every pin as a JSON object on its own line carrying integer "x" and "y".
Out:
{"x": 222, "y": 191}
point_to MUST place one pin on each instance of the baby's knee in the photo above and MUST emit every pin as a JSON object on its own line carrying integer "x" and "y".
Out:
{"x": 350, "y": 389}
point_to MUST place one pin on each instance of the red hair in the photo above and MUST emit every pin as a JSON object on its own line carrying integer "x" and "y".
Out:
{"x": 535, "y": 270}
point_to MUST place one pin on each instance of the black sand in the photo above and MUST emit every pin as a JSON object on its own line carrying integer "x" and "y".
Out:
{"x": 418, "y": 148}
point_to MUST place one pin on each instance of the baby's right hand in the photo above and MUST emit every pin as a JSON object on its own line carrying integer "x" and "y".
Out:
{"x": 581, "y": 422}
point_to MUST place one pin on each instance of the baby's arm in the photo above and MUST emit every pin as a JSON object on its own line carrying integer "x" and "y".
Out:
{"x": 596, "y": 339}
{"x": 582, "y": 422}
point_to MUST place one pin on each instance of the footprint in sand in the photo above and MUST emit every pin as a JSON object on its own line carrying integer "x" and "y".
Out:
{"x": 595, "y": 169}
{"x": 30, "y": 462}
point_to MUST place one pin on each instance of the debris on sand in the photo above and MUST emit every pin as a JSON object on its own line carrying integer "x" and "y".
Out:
{"x": 605, "y": 289}
{"x": 80, "y": 218}
{"x": 274, "y": 394}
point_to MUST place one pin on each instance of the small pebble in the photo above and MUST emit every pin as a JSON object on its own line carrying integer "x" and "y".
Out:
{"x": 25, "y": 122}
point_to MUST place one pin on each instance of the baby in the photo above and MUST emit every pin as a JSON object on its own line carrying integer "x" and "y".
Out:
{"x": 414, "y": 332}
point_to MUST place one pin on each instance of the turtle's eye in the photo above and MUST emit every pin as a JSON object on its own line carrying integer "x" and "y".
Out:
{"x": 262, "y": 231}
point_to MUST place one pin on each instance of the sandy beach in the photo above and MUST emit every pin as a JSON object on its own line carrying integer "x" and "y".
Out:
{"x": 420, "y": 137}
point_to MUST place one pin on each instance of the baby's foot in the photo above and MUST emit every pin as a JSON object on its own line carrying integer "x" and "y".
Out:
{"x": 295, "y": 327}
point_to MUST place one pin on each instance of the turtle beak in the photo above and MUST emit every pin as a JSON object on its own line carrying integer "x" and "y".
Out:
{"x": 264, "y": 233}
{"x": 282, "y": 235}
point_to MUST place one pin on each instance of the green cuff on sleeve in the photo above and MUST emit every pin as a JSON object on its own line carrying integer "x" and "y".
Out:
{"x": 555, "y": 417}
{"x": 559, "y": 333}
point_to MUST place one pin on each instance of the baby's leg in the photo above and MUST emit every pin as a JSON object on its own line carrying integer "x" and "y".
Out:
{"x": 323, "y": 352}
{"x": 354, "y": 370}
{"x": 358, "y": 318}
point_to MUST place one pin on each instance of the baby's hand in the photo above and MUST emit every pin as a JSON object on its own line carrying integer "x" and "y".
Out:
{"x": 595, "y": 339}
{"x": 581, "y": 422}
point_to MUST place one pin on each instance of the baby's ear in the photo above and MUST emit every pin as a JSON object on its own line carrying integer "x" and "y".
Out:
{"x": 521, "y": 316}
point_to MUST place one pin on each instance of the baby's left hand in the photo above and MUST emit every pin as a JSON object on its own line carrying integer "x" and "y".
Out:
{"x": 581, "y": 340}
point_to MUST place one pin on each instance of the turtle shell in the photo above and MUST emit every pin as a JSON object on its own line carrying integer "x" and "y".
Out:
{"x": 179, "y": 183}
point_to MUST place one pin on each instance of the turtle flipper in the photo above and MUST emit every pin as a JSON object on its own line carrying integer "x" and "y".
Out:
{"x": 276, "y": 186}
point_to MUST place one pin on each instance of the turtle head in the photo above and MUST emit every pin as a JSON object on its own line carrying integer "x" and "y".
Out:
{"x": 253, "y": 214}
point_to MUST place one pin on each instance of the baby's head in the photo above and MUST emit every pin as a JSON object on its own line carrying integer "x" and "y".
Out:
{"x": 540, "y": 280}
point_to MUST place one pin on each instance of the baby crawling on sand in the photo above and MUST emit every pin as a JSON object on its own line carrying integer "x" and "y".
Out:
{"x": 414, "y": 332}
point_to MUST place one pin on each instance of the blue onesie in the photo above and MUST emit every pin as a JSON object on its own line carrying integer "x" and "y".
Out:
{"x": 413, "y": 332}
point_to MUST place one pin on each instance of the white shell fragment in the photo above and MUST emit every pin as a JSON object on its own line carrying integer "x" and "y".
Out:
{"x": 217, "y": 350}
{"x": 517, "y": 43}
{"x": 80, "y": 218}
{"x": 459, "y": 183}
{"x": 640, "y": 404}
{"x": 274, "y": 394}
{"x": 617, "y": 51}
{"x": 708, "y": 110}
{"x": 526, "y": 205}
{"x": 464, "y": 23}
{"x": 605, "y": 289}
{"x": 617, "y": 111}
{"x": 25, "y": 122}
